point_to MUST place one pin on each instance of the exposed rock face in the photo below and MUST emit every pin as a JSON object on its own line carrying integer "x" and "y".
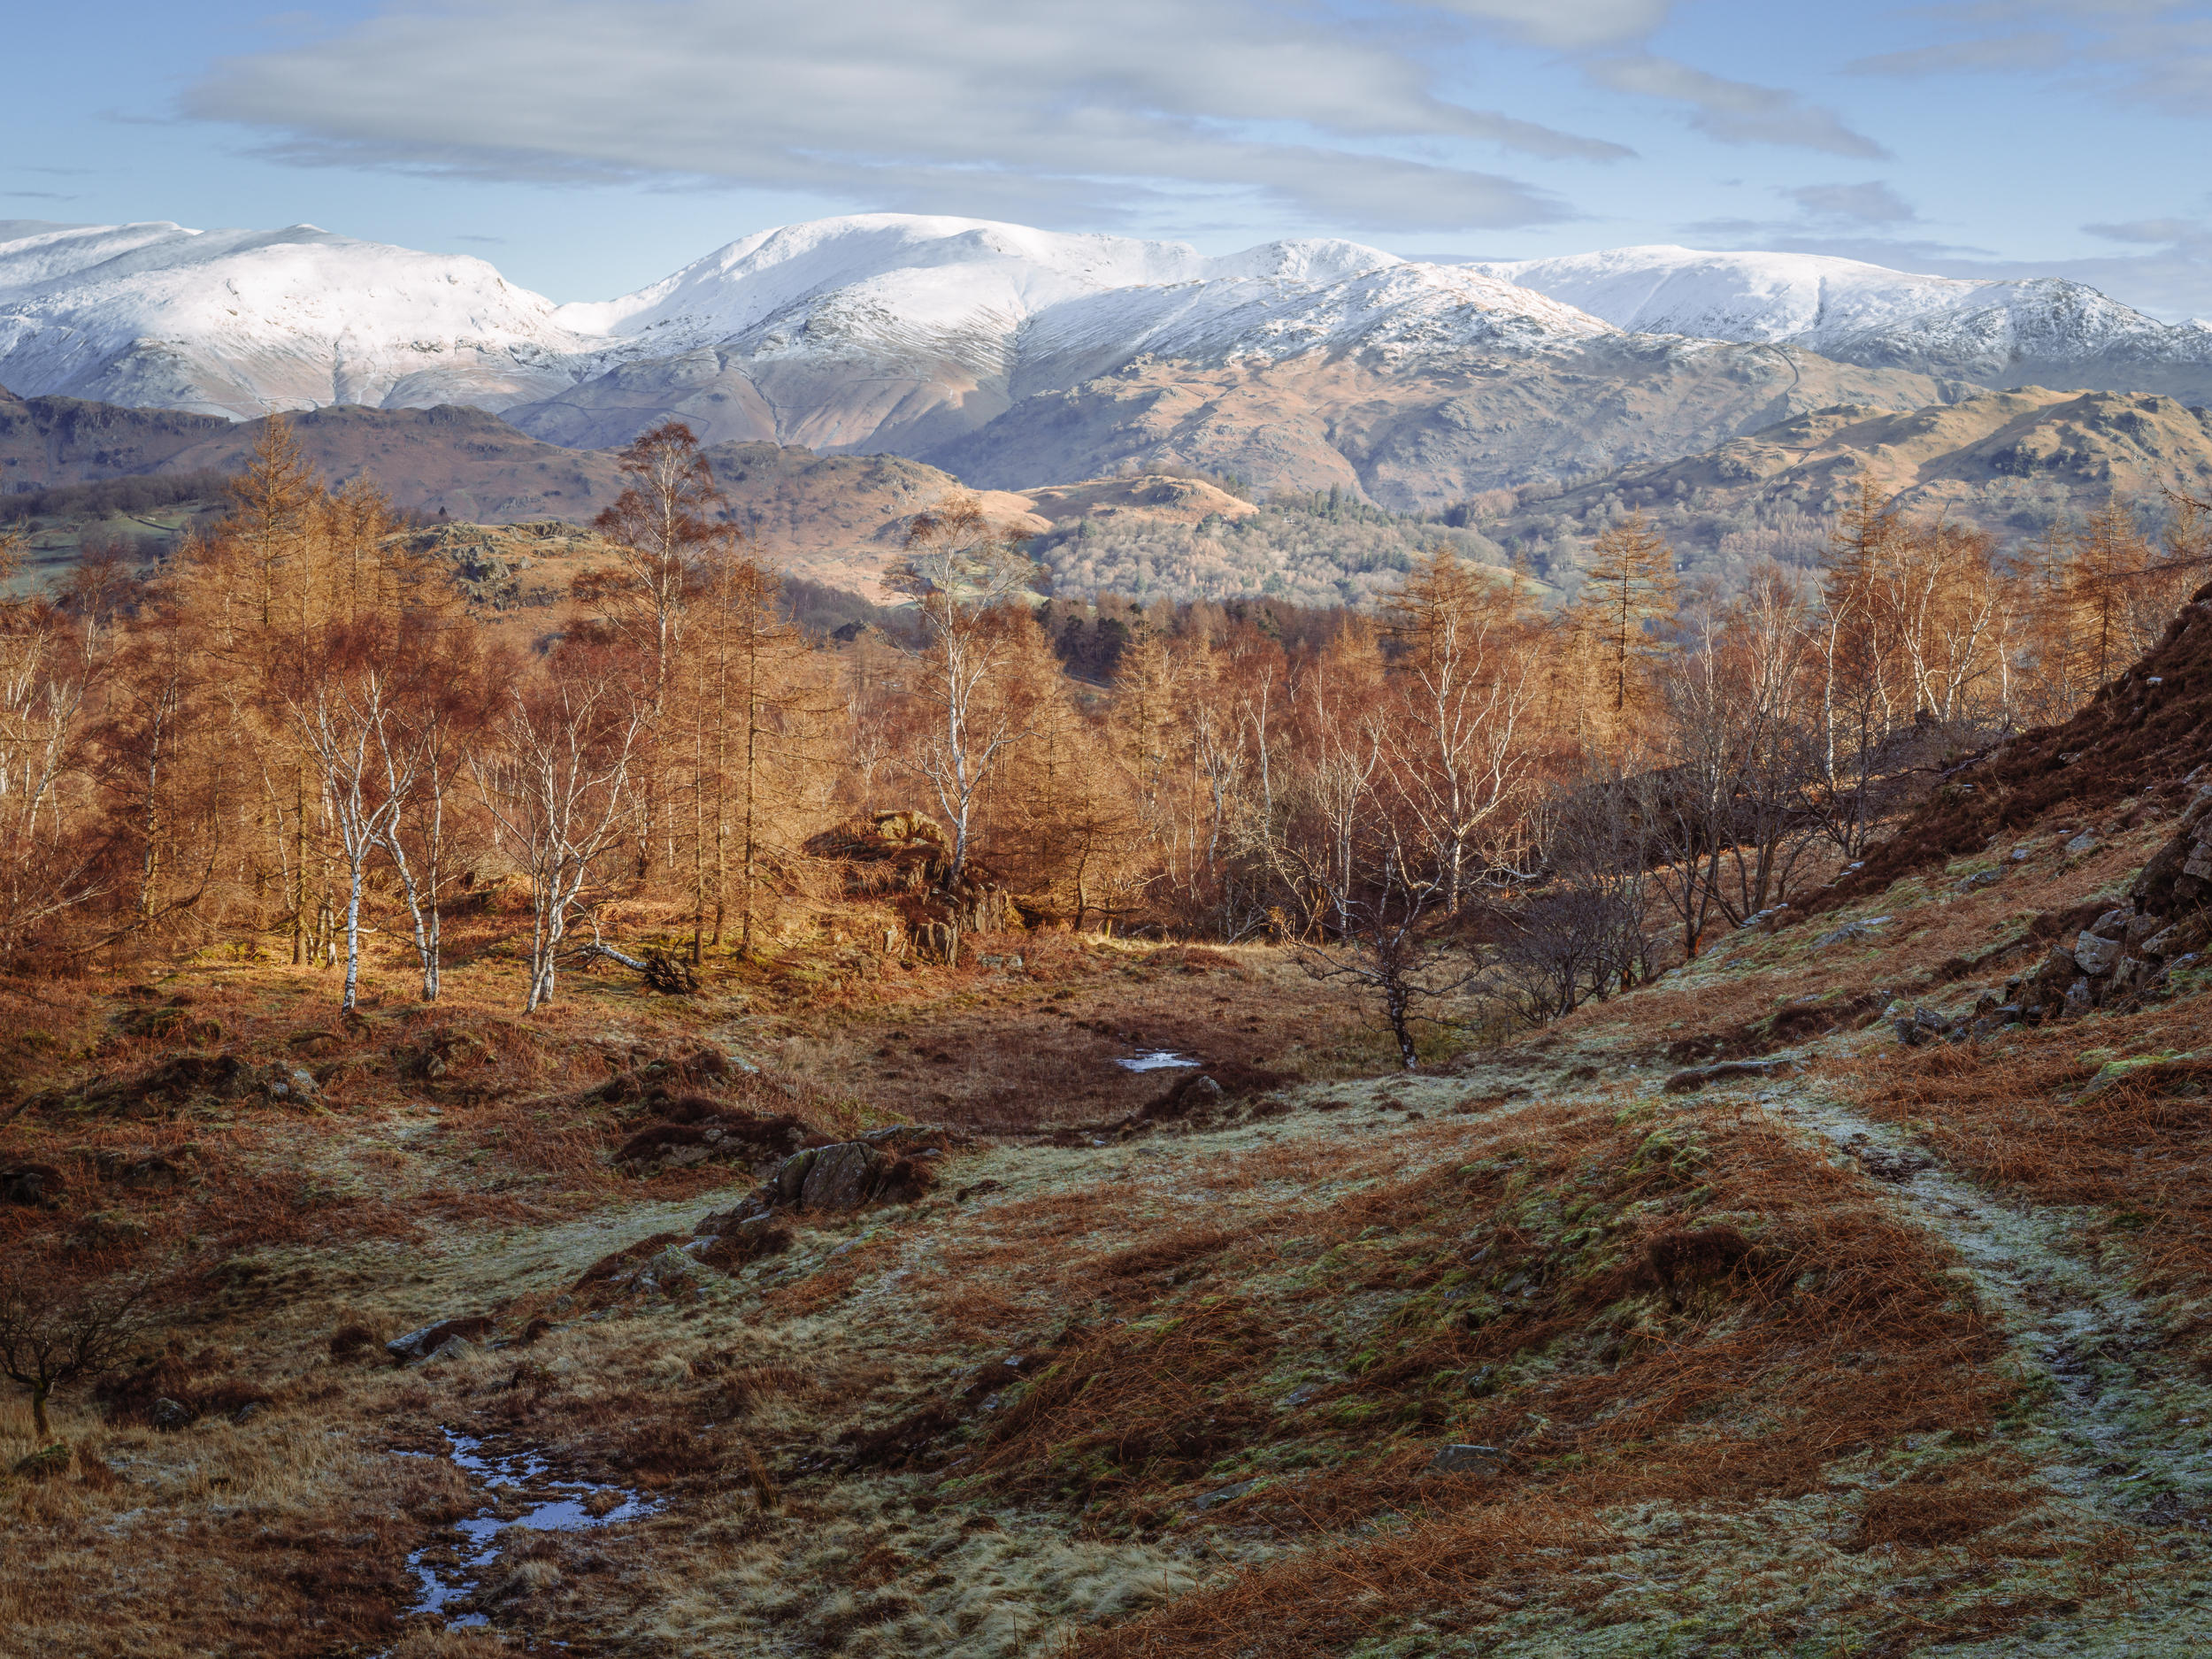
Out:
{"x": 841, "y": 1177}
{"x": 2127, "y": 955}
{"x": 850, "y": 1173}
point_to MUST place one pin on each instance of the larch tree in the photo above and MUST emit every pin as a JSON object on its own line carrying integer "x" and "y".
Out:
{"x": 1628, "y": 594}
{"x": 668, "y": 521}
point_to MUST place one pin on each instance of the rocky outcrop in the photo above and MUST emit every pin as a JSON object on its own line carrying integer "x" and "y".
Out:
{"x": 432, "y": 1339}
{"x": 2130, "y": 953}
{"x": 847, "y": 1175}
{"x": 686, "y": 1138}
{"x": 894, "y": 1164}
{"x": 904, "y": 860}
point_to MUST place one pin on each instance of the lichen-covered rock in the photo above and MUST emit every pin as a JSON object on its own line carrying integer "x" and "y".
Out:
{"x": 849, "y": 1173}
{"x": 841, "y": 1176}
{"x": 2095, "y": 955}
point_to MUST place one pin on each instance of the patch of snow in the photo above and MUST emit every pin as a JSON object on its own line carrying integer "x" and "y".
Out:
{"x": 1155, "y": 1060}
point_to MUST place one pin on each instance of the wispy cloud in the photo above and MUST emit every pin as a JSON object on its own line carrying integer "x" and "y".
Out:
{"x": 1569, "y": 25}
{"x": 1873, "y": 202}
{"x": 2158, "y": 51}
{"x": 1058, "y": 110}
{"x": 1734, "y": 111}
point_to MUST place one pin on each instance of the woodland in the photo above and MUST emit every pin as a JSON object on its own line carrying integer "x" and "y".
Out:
{"x": 293, "y": 732}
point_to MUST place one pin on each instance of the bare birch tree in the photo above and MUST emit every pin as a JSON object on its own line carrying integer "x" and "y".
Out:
{"x": 959, "y": 569}
{"x": 555, "y": 787}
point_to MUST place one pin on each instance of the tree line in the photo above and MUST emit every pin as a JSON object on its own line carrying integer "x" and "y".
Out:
{"x": 293, "y": 731}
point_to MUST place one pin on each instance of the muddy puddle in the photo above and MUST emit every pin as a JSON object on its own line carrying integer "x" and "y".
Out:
{"x": 451, "y": 1571}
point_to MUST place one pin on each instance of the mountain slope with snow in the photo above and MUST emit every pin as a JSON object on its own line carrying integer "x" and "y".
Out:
{"x": 1019, "y": 354}
{"x": 239, "y": 323}
{"x": 1986, "y": 331}
{"x": 244, "y": 322}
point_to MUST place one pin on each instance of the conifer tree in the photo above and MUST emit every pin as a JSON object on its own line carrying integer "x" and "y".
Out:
{"x": 1628, "y": 592}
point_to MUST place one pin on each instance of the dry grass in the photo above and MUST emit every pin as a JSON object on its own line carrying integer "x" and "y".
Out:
{"x": 1634, "y": 1308}
{"x": 2015, "y": 1116}
{"x": 276, "y": 1538}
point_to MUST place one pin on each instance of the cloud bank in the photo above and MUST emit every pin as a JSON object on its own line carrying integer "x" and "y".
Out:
{"x": 1056, "y": 111}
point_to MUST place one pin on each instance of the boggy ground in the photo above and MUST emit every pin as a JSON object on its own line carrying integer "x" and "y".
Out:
{"x": 1903, "y": 1349}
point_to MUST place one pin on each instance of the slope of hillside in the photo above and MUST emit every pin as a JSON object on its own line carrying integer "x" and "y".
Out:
{"x": 836, "y": 520}
{"x": 1413, "y": 435}
{"x": 50, "y": 441}
{"x": 889, "y": 332}
{"x": 1554, "y": 1348}
{"x": 2013, "y": 461}
{"x": 2124, "y": 758}
{"x": 879, "y": 333}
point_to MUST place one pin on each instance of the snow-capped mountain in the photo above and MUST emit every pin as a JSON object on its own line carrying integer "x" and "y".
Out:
{"x": 244, "y": 322}
{"x": 1977, "y": 330}
{"x": 998, "y": 295}
{"x": 899, "y": 332}
{"x": 1014, "y": 355}
{"x": 240, "y": 323}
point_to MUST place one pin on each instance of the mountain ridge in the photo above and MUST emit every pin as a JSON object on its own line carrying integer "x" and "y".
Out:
{"x": 1009, "y": 354}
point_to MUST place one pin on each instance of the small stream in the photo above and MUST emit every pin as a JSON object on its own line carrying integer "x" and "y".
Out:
{"x": 556, "y": 1505}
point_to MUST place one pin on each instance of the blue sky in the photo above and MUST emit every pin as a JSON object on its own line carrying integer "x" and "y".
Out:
{"x": 587, "y": 147}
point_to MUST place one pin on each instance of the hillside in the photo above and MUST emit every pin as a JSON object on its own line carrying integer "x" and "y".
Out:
{"x": 241, "y": 323}
{"x": 932, "y": 338}
{"x": 1415, "y": 436}
{"x": 1182, "y": 540}
{"x": 835, "y": 519}
{"x": 2015, "y": 461}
